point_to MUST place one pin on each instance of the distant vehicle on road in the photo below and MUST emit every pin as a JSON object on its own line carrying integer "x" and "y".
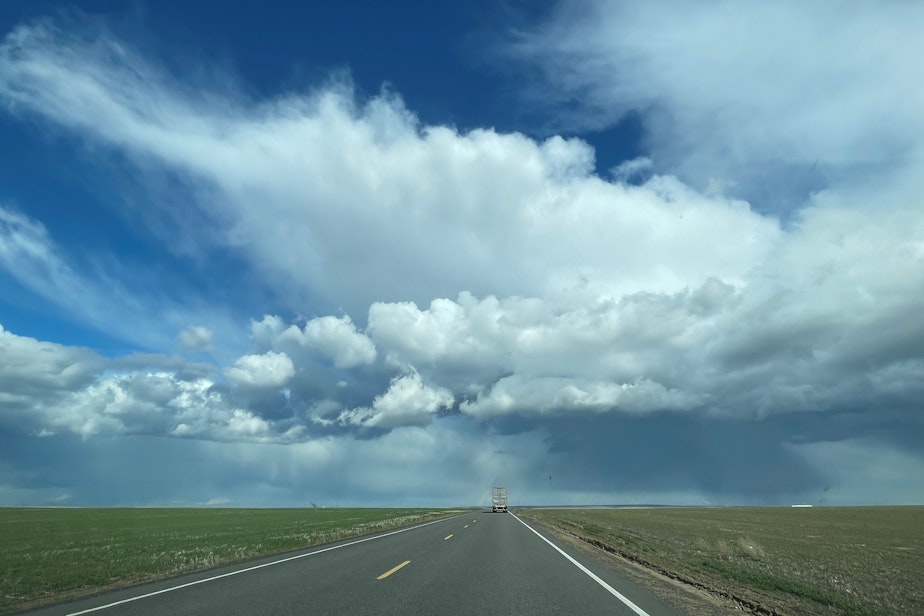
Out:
{"x": 499, "y": 499}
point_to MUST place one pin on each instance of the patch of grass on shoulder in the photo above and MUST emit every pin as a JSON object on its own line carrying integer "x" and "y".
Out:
{"x": 765, "y": 581}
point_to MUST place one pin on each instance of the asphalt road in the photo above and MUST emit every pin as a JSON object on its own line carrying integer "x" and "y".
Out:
{"x": 477, "y": 563}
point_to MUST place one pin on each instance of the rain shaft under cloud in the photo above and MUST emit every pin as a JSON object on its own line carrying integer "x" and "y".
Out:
{"x": 481, "y": 291}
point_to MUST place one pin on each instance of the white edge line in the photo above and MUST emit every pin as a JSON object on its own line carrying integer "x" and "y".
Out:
{"x": 255, "y": 567}
{"x": 592, "y": 575}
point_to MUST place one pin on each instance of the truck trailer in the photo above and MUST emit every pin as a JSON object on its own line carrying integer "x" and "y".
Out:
{"x": 498, "y": 499}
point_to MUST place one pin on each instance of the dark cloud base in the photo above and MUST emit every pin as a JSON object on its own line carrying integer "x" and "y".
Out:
{"x": 731, "y": 461}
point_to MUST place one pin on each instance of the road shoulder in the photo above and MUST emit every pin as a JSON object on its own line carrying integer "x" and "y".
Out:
{"x": 687, "y": 599}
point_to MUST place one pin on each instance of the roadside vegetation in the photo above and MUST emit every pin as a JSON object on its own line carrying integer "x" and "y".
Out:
{"x": 861, "y": 561}
{"x": 48, "y": 555}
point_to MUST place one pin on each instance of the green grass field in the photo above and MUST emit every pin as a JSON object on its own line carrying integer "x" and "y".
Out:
{"x": 47, "y": 555}
{"x": 823, "y": 560}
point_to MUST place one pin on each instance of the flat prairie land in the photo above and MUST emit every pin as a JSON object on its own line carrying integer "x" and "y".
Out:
{"x": 820, "y": 560}
{"x": 49, "y": 555}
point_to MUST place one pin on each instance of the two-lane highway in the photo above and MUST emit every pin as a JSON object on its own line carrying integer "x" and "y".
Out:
{"x": 470, "y": 564}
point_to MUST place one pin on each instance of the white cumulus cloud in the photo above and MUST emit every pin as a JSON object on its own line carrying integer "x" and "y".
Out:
{"x": 407, "y": 402}
{"x": 270, "y": 369}
{"x": 335, "y": 338}
{"x": 338, "y": 339}
{"x": 48, "y": 389}
{"x": 556, "y": 395}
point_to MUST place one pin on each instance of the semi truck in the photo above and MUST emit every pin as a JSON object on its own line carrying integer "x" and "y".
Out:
{"x": 498, "y": 499}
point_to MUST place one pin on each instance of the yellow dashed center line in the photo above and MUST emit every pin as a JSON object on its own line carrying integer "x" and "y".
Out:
{"x": 392, "y": 570}
{"x": 447, "y": 537}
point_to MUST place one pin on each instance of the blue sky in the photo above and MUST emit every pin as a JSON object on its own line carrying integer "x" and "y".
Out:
{"x": 394, "y": 254}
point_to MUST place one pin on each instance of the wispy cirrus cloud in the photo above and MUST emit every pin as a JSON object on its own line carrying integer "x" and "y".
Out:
{"x": 775, "y": 101}
{"x": 89, "y": 293}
